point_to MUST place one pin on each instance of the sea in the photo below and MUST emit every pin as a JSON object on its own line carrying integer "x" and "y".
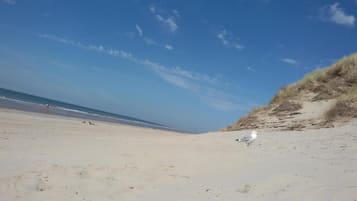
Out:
{"x": 31, "y": 103}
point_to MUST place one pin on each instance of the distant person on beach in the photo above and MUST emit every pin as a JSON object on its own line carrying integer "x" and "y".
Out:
{"x": 47, "y": 107}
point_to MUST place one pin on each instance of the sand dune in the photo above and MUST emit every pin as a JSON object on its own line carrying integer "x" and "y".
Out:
{"x": 57, "y": 158}
{"x": 321, "y": 99}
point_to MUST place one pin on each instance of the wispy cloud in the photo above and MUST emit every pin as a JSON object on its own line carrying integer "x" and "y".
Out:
{"x": 150, "y": 41}
{"x": 228, "y": 40}
{"x": 198, "y": 83}
{"x": 140, "y": 31}
{"x": 169, "y": 47}
{"x": 249, "y": 68}
{"x": 222, "y": 36}
{"x": 61, "y": 40}
{"x": 225, "y": 102}
{"x": 289, "y": 61}
{"x": 171, "y": 76}
{"x": 168, "y": 19}
{"x": 9, "y": 2}
{"x": 195, "y": 76}
{"x": 152, "y": 8}
{"x": 335, "y": 14}
{"x": 177, "y": 14}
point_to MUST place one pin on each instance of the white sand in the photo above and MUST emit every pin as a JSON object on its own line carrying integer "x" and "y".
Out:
{"x": 56, "y": 158}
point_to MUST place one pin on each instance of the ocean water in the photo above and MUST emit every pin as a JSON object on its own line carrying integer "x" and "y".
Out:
{"x": 21, "y": 101}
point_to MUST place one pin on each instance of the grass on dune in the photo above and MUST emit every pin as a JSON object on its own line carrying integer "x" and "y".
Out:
{"x": 338, "y": 82}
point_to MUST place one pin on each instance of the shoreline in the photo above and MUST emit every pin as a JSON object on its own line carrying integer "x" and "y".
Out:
{"x": 82, "y": 120}
{"x": 25, "y": 106}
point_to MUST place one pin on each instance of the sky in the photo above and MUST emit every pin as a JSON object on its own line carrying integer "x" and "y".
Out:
{"x": 192, "y": 65}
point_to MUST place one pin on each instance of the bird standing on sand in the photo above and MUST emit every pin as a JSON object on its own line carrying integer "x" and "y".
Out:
{"x": 248, "y": 139}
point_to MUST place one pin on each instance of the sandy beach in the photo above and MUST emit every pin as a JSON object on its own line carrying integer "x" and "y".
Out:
{"x": 45, "y": 157}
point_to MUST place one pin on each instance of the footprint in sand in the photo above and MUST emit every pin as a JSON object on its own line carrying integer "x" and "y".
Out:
{"x": 245, "y": 189}
{"x": 42, "y": 185}
{"x": 168, "y": 168}
{"x": 83, "y": 174}
{"x": 179, "y": 176}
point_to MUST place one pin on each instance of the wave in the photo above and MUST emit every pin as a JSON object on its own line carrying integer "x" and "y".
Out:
{"x": 17, "y": 100}
{"x": 71, "y": 110}
{"x": 38, "y": 104}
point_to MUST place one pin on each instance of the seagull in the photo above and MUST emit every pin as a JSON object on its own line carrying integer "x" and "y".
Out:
{"x": 248, "y": 138}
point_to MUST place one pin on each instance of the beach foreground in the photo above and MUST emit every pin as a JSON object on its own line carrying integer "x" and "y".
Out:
{"x": 46, "y": 157}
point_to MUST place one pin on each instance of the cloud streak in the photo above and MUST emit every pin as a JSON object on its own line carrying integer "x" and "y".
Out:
{"x": 198, "y": 83}
{"x": 228, "y": 40}
{"x": 150, "y": 41}
{"x": 9, "y": 2}
{"x": 289, "y": 61}
{"x": 170, "y": 21}
{"x": 140, "y": 31}
{"x": 249, "y": 68}
{"x": 335, "y": 14}
{"x": 169, "y": 47}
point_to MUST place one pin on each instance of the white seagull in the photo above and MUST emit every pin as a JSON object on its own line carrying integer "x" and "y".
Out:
{"x": 248, "y": 138}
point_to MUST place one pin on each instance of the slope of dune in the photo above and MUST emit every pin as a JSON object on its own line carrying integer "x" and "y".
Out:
{"x": 324, "y": 98}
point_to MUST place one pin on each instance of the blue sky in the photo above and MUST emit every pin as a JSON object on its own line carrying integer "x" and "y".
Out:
{"x": 193, "y": 65}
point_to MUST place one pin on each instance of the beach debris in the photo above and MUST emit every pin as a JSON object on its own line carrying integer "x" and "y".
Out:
{"x": 245, "y": 189}
{"x": 42, "y": 185}
{"x": 248, "y": 139}
{"x": 89, "y": 122}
